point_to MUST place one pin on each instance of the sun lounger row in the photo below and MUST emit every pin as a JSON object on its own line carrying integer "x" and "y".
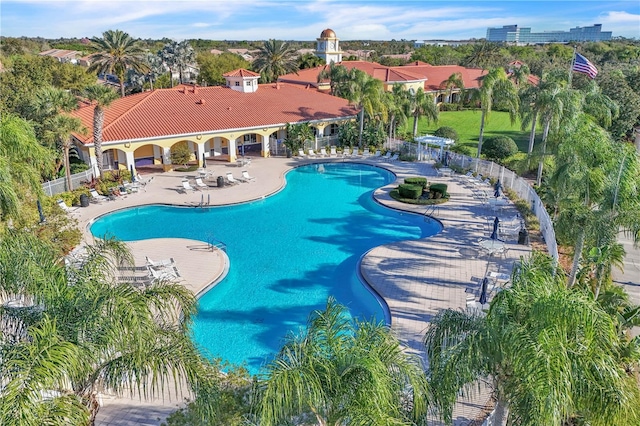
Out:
{"x": 347, "y": 152}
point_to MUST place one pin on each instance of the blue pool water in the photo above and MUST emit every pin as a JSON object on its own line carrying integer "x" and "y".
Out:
{"x": 287, "y": 253}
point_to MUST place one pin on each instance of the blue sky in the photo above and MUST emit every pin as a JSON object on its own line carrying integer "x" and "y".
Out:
{"x": 304, "y": 20}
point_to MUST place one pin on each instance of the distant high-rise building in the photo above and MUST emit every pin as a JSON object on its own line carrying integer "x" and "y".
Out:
{"x": 513, "y": 34}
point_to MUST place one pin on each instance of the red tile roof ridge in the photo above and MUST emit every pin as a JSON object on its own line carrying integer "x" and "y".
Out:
{"x": 145, "y": 96}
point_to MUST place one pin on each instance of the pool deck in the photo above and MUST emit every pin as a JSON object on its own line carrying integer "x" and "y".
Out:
{"x": 416, "y": 278}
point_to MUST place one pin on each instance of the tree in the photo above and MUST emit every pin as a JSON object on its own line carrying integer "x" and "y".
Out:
{"x": 275, "y": 58}
{"x": 500, "y": 147}
{"x": 296, "y": 135}
{"x": 367, "y": 94}
{"x": 495, "y": 88}
{"x": 397, "y": 103}
{"x": 519, "y": 75}
{"x": 422, "y": 105}
{"x": 309, "y": 60}
{"x": 454, "y": 81}
{"x": 212, "y": 67}
{"x": 342, "y": 372}
{"x": 102, "y": 96}
{"x": 178, "y": 55}
{"x": 61, "y": 128}
{"x": 484, "y": 55}
{"x": 80, "y": 331}
{"x": 552, "y": 354}
{"x": 338, "y": 76}
{"x": 116, "y": 53}
{"x": 22, "y": 159}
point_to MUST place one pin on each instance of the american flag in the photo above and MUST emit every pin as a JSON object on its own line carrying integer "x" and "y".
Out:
{"x": 582, "y": 65}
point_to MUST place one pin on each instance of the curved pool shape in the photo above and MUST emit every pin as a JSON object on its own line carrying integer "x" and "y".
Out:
{"x": 287, "y": 253}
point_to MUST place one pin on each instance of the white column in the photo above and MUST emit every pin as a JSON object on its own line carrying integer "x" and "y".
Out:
{"x": 265, "y": 146}
{"x": 131, "y": 162}
{"x": 201, "y": 152}
{"x": 166, "y": 155}
{"x": 232, "y": 149}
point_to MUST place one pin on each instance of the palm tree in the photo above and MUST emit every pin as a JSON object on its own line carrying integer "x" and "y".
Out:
{"x": 341, "y": 372}
{"x": 22, "y": 160}
{"x": 367, "y": 93}
{"x": 61, "y": 129}
{"x": 275, "y": 58}
{"x": 496, "y": 88}
{"x": 454, "y": 81}
{"x": 484, "y": 55}
{"x": 422, "y": 105}
{"x": 551, "y": 354}
{"x": 519, "y": 74}
{"x": 309, "y": 60}
{"x": 398, "y": 106}
{"x": 82, "y": 331}
{"x": 177, "y": 55}
{"x": 116, "y": 53}
{"x": 103, "y": 96}
{"x": 338, "y": 76}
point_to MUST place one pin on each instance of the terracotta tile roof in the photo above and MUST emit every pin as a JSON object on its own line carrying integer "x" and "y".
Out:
{"x": 241, "y": 72}
{"x": 180, "y": 111}
{"x": 415, "y": 71}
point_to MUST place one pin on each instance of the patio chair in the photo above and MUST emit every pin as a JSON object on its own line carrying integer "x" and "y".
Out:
{"x": 186, "y": 186}
{"x": 201, "y": 184}
{"x": 394, "y": 157}
{"x": 311, "y": 153}
{"x": 366, "y": 152}
{"x": 232, "y": 180}
{"x": 164, "y": 274}
{"x": 247, "y": 177}
{"x": 65, "y": 207}
{"x": 95, "y": 197}
{"x": 386, "y": 156}
{"x": 160, "y": 263}
{"x": 301, "y": 154}
{"x": 346, "y": 152}
{"x": 355, "y": 153}
{"x": 377, "y": 155}
{"x": 333, "y": 152}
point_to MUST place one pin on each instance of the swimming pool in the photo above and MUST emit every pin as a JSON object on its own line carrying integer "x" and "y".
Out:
{"x": 288, "y": 253}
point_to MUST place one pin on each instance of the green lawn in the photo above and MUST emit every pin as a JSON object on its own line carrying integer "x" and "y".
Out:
{"x": 467, "y": 124}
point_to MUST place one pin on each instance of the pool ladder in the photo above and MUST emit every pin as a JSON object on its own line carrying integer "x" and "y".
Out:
{"x": 431, "y": 213}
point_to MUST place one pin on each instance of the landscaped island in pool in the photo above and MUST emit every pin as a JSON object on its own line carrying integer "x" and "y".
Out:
{"x": 287, "y": 253}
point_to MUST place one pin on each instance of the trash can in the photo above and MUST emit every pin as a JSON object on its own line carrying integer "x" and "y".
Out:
{"x": 84, "y": 200}
{"x": 523, "y": 237}
{"x": 220, "y": 181}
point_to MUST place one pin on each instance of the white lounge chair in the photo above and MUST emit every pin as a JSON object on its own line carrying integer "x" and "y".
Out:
{"x": 231, "y": 179}
{"x": 377, "y": 154}
{"x": 65, "y": 207}
{"x": 247, "y": 177}
{"x": 95, "y": 197}
{"x": 355, "y": 153}
{"x": 164, "y": 274}
{"x": 186, "y": 186}
{"x": 301, "y": 154}
{"x": 366, "y": 152}
{"x": 386, "y": 156}
{"x": 394, "y": 157}
{"x": 333, "y": 152}
{"x": 346, "y": 152}
{"x": 311, "y": 153}
{"x": 160, "y": 263}
{"x": 323, "y": 152}
{"x": 201, "y": 184}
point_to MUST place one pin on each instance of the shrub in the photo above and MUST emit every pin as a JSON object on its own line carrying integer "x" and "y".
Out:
{"x": 422, "y": 181}
{"x": 410, "y": 191}
{"x": 180, "y": 154}
{"x": 447, "y": 132}
{"x": 438, "y": 189}
{"x": 499, "y": 147}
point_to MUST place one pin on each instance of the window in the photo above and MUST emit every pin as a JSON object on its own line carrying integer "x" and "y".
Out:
{"x": 237, "y": 83}
{"x": 247, "y": 83}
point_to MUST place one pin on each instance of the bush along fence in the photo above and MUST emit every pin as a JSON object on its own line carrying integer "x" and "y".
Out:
{"x": 58, "y": 186}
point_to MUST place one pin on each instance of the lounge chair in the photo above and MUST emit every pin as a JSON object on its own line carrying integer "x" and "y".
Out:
{"x": 201, "y": 184}
{"x": 247, "y": 177}
{"x": 355, "y": 153}
{"x": 366, "y": 152}
{"x": 97, "y": 198}
{"x": 311, "y": 153}
{"x": 231, "y": 179}
{"x": 386, "y": 156}
{"x": 346, "y": 152}
{"x": 301, "y": 154}
{"x": 164, "y": 274}
{"x": 394, "y": 157}
{"x": 186, "y": 186}
{"x": 377, "y": 154}
{"x": 333, "y": 152}
{"x": 65, "y": 207}
{"x": 160, "y": 263}
{"x": 323, "y": 152}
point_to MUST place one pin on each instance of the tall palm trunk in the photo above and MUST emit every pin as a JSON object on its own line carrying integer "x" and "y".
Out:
{"x": 545, "y": 133}
{"x": 361, "y": 127}
{"x": 482, "y": 117}
{"x": 501, "y": 413}
{"x": 576, "y": 258}
{"x": 65, "y": 159}
{"x": 415, "y": 125}
{"x": 98, "y": 122}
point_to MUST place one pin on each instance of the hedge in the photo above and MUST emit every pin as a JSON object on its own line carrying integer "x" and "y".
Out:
{"x": 410, "y": 191}
{"x": 438, "y": 188}
{"x": 422, "y": 181}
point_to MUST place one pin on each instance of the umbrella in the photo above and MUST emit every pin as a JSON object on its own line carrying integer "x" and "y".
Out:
{"x": 133, "y": 177}
{"x": 204, "y": 161}
{"x": 494, "y": 233}
{"x": 498, "y": 189}
{"x": 483, "y": 291}
{"x": 42, "y": 218}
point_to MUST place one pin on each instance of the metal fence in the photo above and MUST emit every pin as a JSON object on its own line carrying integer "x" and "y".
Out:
{"x": 58, "y": 186}
{"x": 508, "y": 179}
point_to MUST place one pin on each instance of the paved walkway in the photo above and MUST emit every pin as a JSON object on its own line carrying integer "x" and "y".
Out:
{"x": 416, "y": 278}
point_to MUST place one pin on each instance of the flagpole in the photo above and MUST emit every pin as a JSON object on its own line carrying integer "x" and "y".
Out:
{"x": 573, "y": 61}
